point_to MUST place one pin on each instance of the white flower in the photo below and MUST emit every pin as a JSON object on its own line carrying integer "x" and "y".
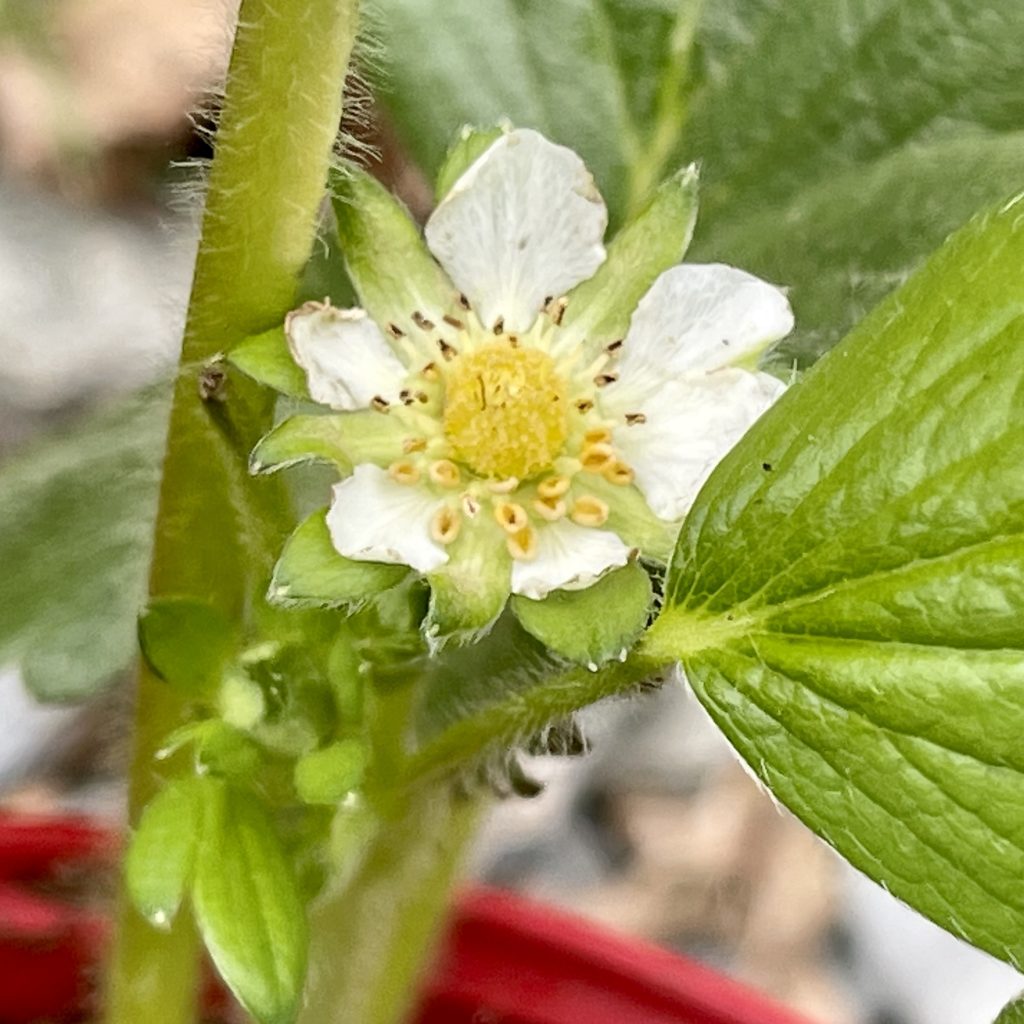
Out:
{"x": 514, "y": 447}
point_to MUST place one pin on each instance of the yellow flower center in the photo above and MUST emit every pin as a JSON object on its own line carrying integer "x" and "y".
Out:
{"x": 505, "y": 411}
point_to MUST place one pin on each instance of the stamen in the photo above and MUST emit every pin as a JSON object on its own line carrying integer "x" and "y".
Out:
{"x": 597, "y": 458}
{"x": 445, "y": 525}
{"x": 404, "y": 471}
{"x": 597, "y": 435}
{"x": 444, "y": 473}
{"x": 604, "y": 379}
{"x": 512, "y": 518}
{"x": 380, "y": 404}
{"x": 406, "y": 396}
{"x": 470, "y": 506}
{"x": 523, "y": 545}
{"x": 421, "y": 321}
{"x": 551, "y": 510}
{"x": 503, "y": 486}
{"x": 634, "y": 419}
{"x": 584, "y": 405}
{"x": 430, "y": 371}
{"x": 589, "y": 511}
{"x": 555, "y": 308}
{"x": 553, "y": 487}
{"x": 619, "y": 474}
{"x": 448, "y": 351}
{"x": 414, "y": 444}
{"x": 395, "y": 331}
{"x": 513, "y": 341}
{"x": 464, "y": 302}
{"x": 614, "y": 346}
{"x": 422, "y": 397}
{"x": 453, "y": 321}
{"x": 499, "y": 325}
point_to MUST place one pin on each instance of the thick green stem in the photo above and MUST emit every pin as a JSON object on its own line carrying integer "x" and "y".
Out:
{"x": 281, "y": 112}
{"x": 372, "y": 938}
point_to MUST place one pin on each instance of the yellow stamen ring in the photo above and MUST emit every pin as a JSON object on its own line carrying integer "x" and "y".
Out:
{"x": 512, "y": 518}
{"x": 404, "y": 471}
{"x": 553, "y": 486}
{"x": 444, "y": 473}
{"x": 523, "y": 545}
{"x": 589, "y": 511}
{"x": 596, "y": 458}
{"x": 445, "y": 525}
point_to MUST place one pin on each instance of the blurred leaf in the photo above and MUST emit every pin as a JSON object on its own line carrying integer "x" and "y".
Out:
{"x": 187, "y": 642}
{"x": 1012, "y": 1013}
{"x": 311, "y": 573}
{"x": 159, "y": 863}
{"x": 594, "y": 624}
{"x": 248, "y": 907}
{"x": 326, "y": 776}
{"x": 76, "y": 523}
{"x": 847, "y": 595}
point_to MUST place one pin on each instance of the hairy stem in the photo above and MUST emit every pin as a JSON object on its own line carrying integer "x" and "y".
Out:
{"x": 281, "y": 112}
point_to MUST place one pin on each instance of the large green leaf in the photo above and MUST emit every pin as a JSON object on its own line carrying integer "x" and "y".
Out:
{"x": 76, "y": 524}
{"x": 847, "y": 595}
{"x": 840, "y": 141}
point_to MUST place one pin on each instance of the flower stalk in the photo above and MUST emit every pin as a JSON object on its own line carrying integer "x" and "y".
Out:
{"x": 281, "y": 112}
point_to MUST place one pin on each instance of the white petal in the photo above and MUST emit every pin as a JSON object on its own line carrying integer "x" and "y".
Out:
{"x": 347, "y": 360}
{"x": 524, "y": 223}
{"x": 568, "y": 556}
{"x": 691, "y": 422}
{"x": 372, "y": 518}
{"x": 702, "y": 317}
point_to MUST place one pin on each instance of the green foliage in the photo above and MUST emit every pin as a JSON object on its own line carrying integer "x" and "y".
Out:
{"x": 248, "y": 906}
{"x": 161, "y": 858}
{"x": 847, "y": 595}
{"x": 186, "y": 642}
{"x": 76, "y": 520}
{"x": 1012, "y": 1013}
{"x": 311, "y": 573}
{"x": 265, "y": 357}
{"x": 325, "y": 776}
{"x": 590, "y": 626}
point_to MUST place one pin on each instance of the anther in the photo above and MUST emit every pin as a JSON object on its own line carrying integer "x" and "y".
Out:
{"x": 589, "y": 511}
{"x": 453, "y": 321}
{"x": 551, "y": 510}
{"x": 406, "y": 396}
{"x": 414, "y": 444}
{"x": 448, "y": 351}
{"x": 512, "y": 518}
{"x": 634, "y": 419}
{"x": 430, "y": 371}
{"x": 553, "y": 486}
{"x": 395, "y": 331}
{"x": 619, "y": 473}
{"x": 597, "y": 458}
{"x": 444, "y": 473}
{"x": 499, "y": 325}
{"x": 513, "y": 341}
{"x": 597, "y": 435}
{"x": 604, "y": 379}
{"x": 422, "y": 397}
{"x": 555, "y": 308}
{"x": 523, "y": 545}
{"x": 421, "y": 321}
{"x": 464, "y": 302}
{"x": 380, "y": 404}
{"x": 445, "y": 525}
{"x": 614, "y": 346}
{"x": 503, "y": 486}
{"x": 404, "y": 471}
{"x": 470, "y": 506}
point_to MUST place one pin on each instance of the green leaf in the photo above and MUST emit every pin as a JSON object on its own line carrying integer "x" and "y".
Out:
{"x": 186, "y": 642}
{"x": 591, "y": 625}
{"x": 596, "y": 75}
{"x": 249, "y": 909}
{"x": 76, "y": 524}
{"x": 326, "y": 776}
{"x": 657, "y": 238}
{"x": 847, "y": 595}
{"x": 266, "y": 358}
{"x": 311, "y": 573}
{"x": 160, "y": 859}
{"x": 343, "y": 439}
{"x": 393, "y": 272}
{"x": 1012, "y": 1013}
{"x": 470, "y": 144}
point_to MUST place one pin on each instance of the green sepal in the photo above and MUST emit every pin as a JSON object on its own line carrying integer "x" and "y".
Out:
{"x": 249, "y": 908}
{"x": 468, "y": 147}
{"x": 343, "y": 439}
{"x": 631, "y": 518}
{"x": 1012, "y": 1013}
{"x": 386, "y": 257}
{"x": 468, "y": 593}
{"x": 267, "y": 359}
{"x": 162, "y": 854}
{"x": 656, "y": 239}
{"x": 220, "y": 748}
{"x": 326, "y": 776}
{"x": 311, "y": 573}
{"x": 186, "y": 642}
{"x": 590, "y": 626}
